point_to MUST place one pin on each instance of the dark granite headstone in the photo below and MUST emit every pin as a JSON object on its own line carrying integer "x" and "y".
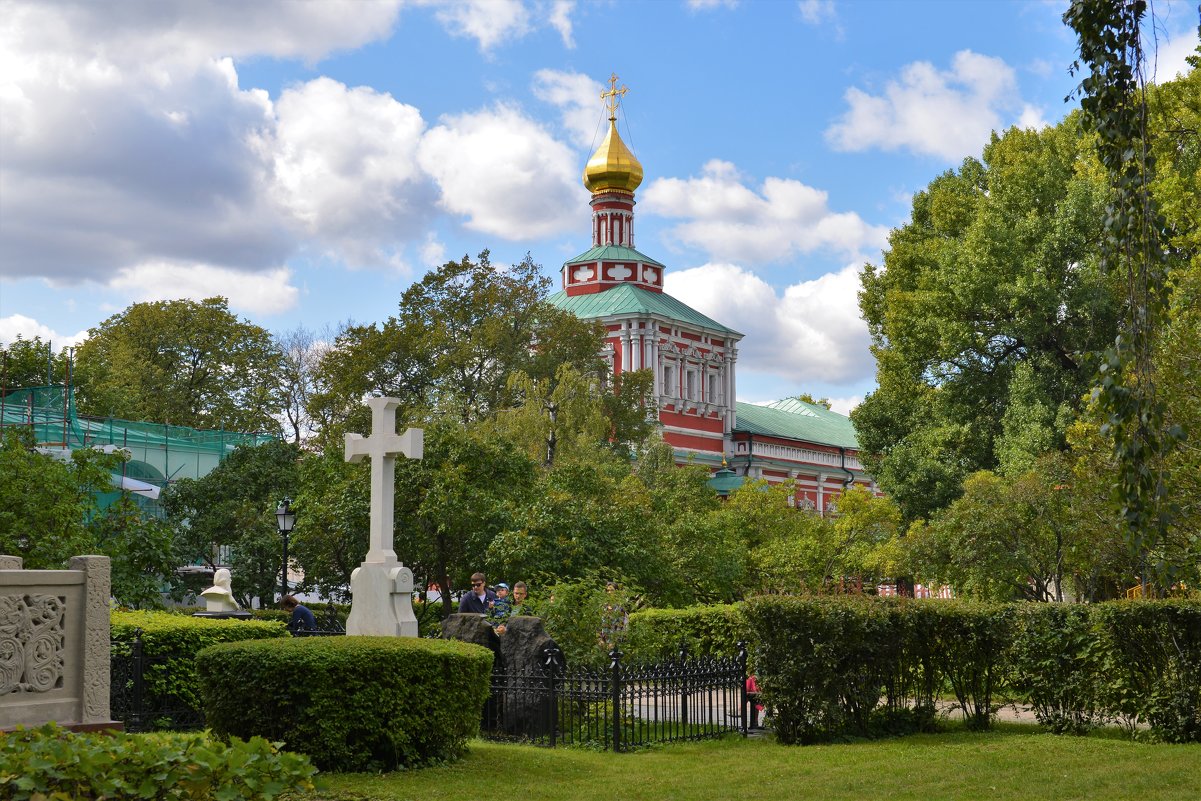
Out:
{"x": 528, "y": 709}
{"x": 471, "y": 628}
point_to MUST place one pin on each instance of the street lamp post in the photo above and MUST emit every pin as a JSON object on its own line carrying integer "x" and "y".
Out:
{"x": 285, "y": 518}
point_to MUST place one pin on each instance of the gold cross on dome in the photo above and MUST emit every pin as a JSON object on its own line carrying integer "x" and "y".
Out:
{"x": 613, "y": 93}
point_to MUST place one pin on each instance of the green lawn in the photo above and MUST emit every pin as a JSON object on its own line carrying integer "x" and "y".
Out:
{"x": 1015, "y": 762}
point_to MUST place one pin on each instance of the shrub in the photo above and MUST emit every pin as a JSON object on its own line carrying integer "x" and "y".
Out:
{"x": 1150, "y": 664}
{"x": 820, "y": 662}
{"x": 656, "y": 634}
{"x": 1055, "y": 666}
{"x": 169, "y": 645}
{"x": 52, "y": 763}
{"x": 970, "y": 646}
{"x": 574, "y": 614}
{"x": 350, "y": 703}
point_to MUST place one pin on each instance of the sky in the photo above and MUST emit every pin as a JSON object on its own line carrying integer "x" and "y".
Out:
{"x": 311, "y": 159}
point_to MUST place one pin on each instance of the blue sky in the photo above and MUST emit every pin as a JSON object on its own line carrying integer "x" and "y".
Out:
{"x": 311, "y": 159}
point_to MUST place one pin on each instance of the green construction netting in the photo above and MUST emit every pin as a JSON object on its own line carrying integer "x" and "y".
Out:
{"x": 159, "y": 453}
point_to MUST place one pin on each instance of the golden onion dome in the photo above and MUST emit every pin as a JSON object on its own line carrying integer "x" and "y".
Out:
{"x": 612, "y": 166}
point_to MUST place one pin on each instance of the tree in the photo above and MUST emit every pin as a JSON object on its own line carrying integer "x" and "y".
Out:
{"x": 30, "y": 363}
{"x": 1138, "y": 247}
{"x": 301, "y": 351}
{"x": 142, "y": 549}
{"x": 44, "y": 502}
{"x": 180, "y": 362}
{"x": 232, "y": 511}
{"x": 997, "y": 268}
{"x": 459, "y": 335}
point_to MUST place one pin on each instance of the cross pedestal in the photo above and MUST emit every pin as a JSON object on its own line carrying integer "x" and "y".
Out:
{"x": 381, "y": 588}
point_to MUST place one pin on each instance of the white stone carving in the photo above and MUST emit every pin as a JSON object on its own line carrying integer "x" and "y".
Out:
{"x": 220, "y": 596}
{"x": 381, "y": 587}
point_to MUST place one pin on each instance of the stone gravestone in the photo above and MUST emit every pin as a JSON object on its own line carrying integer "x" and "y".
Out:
{"x": 381, "y": 588}
{"x": 54, "y": 644}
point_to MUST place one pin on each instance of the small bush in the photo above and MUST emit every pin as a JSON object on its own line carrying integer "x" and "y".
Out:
{"x": 350, "y": 703}
{"x": 656, "y": 634}
{"x": 1055, "y": 666}
{"x": 1150, "y": 665}
{"x": 170, "y": 643}
{"x": 970, "y": 645}
{"x": 821, "y": 663}
{"x": 50, "y": 763}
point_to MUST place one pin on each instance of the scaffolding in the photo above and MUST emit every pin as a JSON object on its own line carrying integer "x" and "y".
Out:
{"x": 158, "y": 453}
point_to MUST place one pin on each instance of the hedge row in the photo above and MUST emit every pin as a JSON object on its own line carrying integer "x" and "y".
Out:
{"x": 656, "y": 634}
{"x": 52, "y": 763}
{"x": 833, "y": 667}
{"x": 170, "y": 643}
{"x": 350, "y": 703}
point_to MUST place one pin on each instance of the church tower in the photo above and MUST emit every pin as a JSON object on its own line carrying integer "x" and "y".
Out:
{"x": 692, "y": 356}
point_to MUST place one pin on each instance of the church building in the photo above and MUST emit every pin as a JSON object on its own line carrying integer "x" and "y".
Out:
{"x": 693, "y": 357}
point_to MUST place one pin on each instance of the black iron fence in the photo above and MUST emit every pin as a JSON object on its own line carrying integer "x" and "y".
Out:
{"x": 140, "y": 690}
{"x": 619, "y": 707}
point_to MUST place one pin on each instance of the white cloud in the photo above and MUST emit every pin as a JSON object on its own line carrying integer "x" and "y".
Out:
{"x": 1173, "y": 49}
{"x": 812, "y": 332}
{"x": 845, "y": 405}
{"x": 779, "y": 219}
{"x": 948, "y": 114}
{"x": 816, "y": 12}
{"x": 578, "y": 99}
{"x": 345, "y": 167}
{"x": 560, "y": 20}
{"x": 505, "y": 173}
{"x": 490, "y": 22}
{"x": 709, "y": 5}
{"x": 28, "y": 328}
{"x": 133, "y": 31}
{"x": 254, "y": 293}
{"x": 433, "y": 252}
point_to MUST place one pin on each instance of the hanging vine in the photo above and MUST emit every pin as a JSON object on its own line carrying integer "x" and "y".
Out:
{"x": 1135, "y": 246}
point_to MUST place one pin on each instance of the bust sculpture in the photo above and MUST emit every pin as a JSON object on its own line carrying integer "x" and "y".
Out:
{"x": 220, "y": 596}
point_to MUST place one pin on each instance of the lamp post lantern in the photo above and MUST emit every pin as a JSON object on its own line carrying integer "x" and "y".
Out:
{"x": 285, "y": 518}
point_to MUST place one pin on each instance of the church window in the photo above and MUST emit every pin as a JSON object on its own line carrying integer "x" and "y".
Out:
{"x": 669, "y": 381}
{"x": 691, "y": 384}
{"x": 711, "y": 395}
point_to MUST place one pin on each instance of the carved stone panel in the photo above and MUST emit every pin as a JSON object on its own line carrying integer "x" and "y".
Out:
{"x": 31, "y": 643}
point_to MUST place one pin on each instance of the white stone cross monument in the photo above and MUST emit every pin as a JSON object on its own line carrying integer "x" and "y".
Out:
{"x": 381, "y": 588}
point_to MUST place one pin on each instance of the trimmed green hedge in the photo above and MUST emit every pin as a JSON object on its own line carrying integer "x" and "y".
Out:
{"x": 350, "y": 703}
{"x": 170, "y": 643}
{"x": 52, "y": 763}
{"x": 655, "y": 634}
{"x": 855, "y": 666}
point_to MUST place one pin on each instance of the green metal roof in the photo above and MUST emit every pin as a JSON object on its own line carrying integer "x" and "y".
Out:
{"x": 630, "y": 299}
{"x": 794, "y": 419}
{"x": 725, "y": 481}
{"x": 612, "y": 253}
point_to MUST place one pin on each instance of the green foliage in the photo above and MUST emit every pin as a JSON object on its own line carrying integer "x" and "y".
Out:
{"x": 170, "y": 643}
{"x": 182, "y": 362}
{"x": 1054, "y": 663}
{"x": 143, "y": 553}
{"x": 585, "y": 618}
{"x": 820, "y": 663}
{"x": 30, "y": 363}
{"x": 714, "y": 630}
{"x": 996, "y": 270}
{"x": 350, "y": 703}
{"x": 1136, "y": 245}
{"x": 1150, "y": 665}
{"x": 970, "y": 641}
{"x": 44, "y": 503}
{"x": 52, "y": 764}
{"x": 234, "y": 505}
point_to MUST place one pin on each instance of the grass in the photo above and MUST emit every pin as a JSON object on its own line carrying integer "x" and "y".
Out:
{"x": 1014, "y": 762}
